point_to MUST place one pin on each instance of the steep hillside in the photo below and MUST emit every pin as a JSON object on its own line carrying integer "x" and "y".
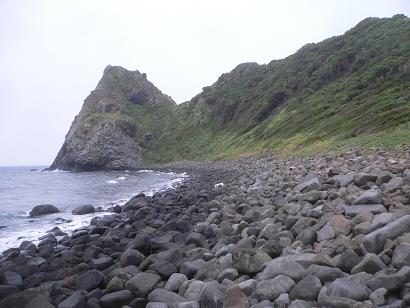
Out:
{"x": 342, "y": 90}
{"x": 349, "y": 89}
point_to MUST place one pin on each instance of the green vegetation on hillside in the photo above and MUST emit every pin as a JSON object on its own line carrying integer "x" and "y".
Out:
{"x": 352, "y": 89}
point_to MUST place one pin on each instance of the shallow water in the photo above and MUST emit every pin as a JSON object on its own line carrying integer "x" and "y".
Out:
{"x": 21, "y": 189}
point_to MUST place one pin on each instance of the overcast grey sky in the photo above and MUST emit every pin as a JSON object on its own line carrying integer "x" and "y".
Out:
{"x": 53, "y": 53}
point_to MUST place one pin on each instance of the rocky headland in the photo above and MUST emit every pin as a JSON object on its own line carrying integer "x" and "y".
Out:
{"x": 331, "y": 230}
{"x": 104, "y": 135}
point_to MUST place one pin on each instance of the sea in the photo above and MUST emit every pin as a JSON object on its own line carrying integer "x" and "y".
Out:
{"x": 22, "y": 188}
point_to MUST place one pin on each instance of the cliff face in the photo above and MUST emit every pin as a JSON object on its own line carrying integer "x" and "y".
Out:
{"x": 348, "y": 89}
{"x": 104, "y": 135}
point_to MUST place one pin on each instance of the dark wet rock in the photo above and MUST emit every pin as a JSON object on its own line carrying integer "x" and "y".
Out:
{"x": 11, "y": 279}
{"x": 116, "y": 299}
{"x": 325, "y": 273}
{"x": 83, "y": 209}
{"x": 161, "y": 242}
{"x": 131, "y": 257}
{"x": 142, "y": 283}
{"x": 196, "y": 239}
{"x": 6, "y": 290}
{"x": 191, "y": 268}
{"x": 89, "y": 280}
{"x": 76, "y": 300}
{"x": 115, "y": 284}
{"x": 249, "y": 260}
{"x": 390, "y": 282}
{"x": 142, "y": 243}
{"x": 34, "y": 280}
{"x": 371, "y": 264}
{"x": 348, "y": 260}
{"x": 102, "y": 262}
{"x": 164, "y": 268}
{"x": 40, "y": 301}
{"x": 43, "y": 209}
{"x": 165, "y": 296}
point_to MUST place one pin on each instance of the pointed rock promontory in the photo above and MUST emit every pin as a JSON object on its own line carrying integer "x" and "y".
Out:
{"x": 107, "y": 133}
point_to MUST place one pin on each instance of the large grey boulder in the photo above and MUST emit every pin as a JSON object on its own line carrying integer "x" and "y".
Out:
{"x": 235, "y": 298}
{"x": 40, "y": 301}
{"x": 348, "y": 260}
{"x": 75, "y": 300}
{"x": 313, "y": 184}
{"x": 212, "y": 295}
{"x": 401, "y": 256}
{"x": 116, "y": 299}
{"x": 89, "y": 280}
{"x": 277, "y": 267}
{"x": 349, "y": 288}
{"x": 131, "y": 257}
{"x": 344, "y": 179}
{"x": 370, "y": 196}
{"x": 380, "y": 220}
{"x": 83, "y": 209}
{"x": 175, "y": 281}
{"x": 371, "y": 264}
{"x": 249, "y": 260}
{"x": 325, "y": 273}
{"x": 11, "y": 279}
{"x": 142, "y": 283}
{"x": 374, "y": 241}
{"x": 43, "y": 209}
{"x": 194, "y": 290}
{"x": 307, "y": 289}
{"x": 248, "y": 286}
{"x": 270, "y": 289}
{"x": 165, "y": 296}
{"x": 353, "y": 210}
{"x": 190, "y": 268}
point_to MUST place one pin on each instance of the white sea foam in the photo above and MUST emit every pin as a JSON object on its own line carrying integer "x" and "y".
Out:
{"x": 56, "y": 170}
{"x": 145, "y": 171}
{"x": 25, "y": 228}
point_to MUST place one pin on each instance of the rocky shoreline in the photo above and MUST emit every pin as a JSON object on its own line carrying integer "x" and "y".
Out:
{"x": 326, "y": 231}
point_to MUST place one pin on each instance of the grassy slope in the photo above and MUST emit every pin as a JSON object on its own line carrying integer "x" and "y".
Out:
{"x": 347, "y": 90}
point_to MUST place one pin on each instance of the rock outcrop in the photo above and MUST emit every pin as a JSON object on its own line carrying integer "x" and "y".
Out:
{"x": 105, "y": 134}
